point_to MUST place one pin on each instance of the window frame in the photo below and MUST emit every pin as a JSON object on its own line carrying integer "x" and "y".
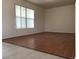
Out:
{"x": 31, "y": 18}
{"x": 24, "y": 17}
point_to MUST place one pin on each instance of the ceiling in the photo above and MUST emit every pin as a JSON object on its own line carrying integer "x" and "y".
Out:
{"x": 51, "y": 3}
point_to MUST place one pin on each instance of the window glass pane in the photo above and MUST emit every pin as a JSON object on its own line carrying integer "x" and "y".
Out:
{"x": 30, "y": 23}
{"x": 30, "y": 13}
{"x": 22, "y": 12}
{"x": 18, "y": 22}
{"x": 17, "y": 10}
{"x": 23, "y": 22}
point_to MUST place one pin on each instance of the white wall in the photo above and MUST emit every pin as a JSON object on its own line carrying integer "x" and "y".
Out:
{"x": 9, "y": 24}
{"x": 60, "y": 19}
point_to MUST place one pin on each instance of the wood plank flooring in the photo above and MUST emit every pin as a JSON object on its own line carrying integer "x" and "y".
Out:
{"x": 60, "y": 44}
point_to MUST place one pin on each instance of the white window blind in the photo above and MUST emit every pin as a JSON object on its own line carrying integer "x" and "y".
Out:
{"x": 24, "y": 17}
{"x": 30, "y": 18}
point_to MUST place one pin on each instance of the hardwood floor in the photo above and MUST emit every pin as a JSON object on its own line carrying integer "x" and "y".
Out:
{"x": 60, "y": 44}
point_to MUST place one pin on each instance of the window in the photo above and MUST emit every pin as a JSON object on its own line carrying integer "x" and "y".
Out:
{"x": 30, "y": 18}
{"x": 24, "y": 17}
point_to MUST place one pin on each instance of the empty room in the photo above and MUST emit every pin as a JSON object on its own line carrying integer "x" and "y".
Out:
{"x": 38, "y": 29}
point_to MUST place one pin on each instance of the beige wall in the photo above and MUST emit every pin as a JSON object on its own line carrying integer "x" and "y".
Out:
{"x": 9, "y": 24}
{"x": 60, "y": 19}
